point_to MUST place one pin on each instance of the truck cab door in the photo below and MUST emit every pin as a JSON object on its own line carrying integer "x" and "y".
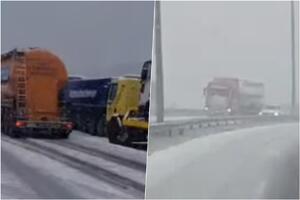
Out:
{"x": 112, "y": 93}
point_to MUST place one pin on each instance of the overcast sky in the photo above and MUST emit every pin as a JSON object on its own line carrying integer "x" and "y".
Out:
{"x": 203, "y": 40}
{"x": 94, "y": 39}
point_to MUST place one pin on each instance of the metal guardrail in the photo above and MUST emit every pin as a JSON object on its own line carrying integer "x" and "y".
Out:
{"x": 180, "y": 127}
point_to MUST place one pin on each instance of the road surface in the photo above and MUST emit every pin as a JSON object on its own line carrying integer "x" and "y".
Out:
{"x": 82, "y": 166}
{"x": 258, "y": 162}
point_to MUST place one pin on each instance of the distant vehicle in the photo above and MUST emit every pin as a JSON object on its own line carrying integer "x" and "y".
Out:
{"x": 271, "y": 110}
{"x": 233, "y": 96}
{"x": 31, "y": 80}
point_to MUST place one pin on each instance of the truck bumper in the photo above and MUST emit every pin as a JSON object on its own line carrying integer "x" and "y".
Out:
{"x": 219, "y": 112}
{"x": 39, "y": 127}
{"x": 136, "y": 123}
{"x": 138, "y": 129}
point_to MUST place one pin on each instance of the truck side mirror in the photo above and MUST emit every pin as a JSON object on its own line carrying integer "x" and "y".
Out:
{"x": 204, "y": 91}
{"x": 144, "y": 74}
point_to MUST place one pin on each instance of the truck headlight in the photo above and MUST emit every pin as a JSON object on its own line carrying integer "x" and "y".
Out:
{"x": 228, "y": 109}
{"x": 260, "y": 113}
{"x": 276, "y": 114}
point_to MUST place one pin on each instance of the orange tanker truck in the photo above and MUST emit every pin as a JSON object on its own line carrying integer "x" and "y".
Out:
{"x": 31, "y": 81}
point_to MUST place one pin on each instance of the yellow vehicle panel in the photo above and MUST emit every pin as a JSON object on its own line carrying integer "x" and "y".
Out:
{"x": 135, "y": 123}
{"x": 127, "y": 94}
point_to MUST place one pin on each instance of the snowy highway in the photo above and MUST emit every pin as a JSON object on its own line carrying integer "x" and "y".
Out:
{"x": 178, "y": 129}
{"x": 257, "y": 162}
{"x": 82, "y": 166}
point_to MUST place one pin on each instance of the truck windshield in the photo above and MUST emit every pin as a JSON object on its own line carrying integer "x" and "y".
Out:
{"x": 217, "y": 97}
{"x": 217, "y": 92}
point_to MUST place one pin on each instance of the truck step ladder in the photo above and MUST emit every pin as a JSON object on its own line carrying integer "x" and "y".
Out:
{"x": 21, "y": 86}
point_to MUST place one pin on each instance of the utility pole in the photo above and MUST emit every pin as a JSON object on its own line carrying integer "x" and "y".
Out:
{"x": 293, "y": 59}
{"x": 159, "y": 65}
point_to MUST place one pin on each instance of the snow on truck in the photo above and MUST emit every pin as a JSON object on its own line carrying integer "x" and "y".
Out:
{"x": 31, "y": 80}
{"x": 233, "y": 96}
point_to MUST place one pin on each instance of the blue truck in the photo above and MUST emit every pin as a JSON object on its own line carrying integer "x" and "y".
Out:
{"x": 85, "y": 102}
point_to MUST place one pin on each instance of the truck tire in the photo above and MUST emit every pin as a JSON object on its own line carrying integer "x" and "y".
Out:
{"x": 91, "y": 127}
{"x": 61, "y": 134}
{"x": 79, "y": 123}
{"x": 64, "y": 136}
{"x": 100, "y": 128}
{"x": 2, "y": 119}
{"x": 116, "y": 133}
{"x": 84, "y": 126}
{"x": 9, "y": 124}
{"x": 6, "y": 128}
{"x": 112, "y": 130}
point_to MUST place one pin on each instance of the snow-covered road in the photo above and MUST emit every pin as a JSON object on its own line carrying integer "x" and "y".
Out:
{"x": 82, "y": 166}
{"x": 259, "y": 162}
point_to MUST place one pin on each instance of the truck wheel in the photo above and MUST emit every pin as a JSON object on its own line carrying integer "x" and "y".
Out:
{"x": 91, "y": 127}
{"x": 112, "y": 130}
{"x": 4, "y": 122}
{"x": 2, "y": 119}
{"x": 8, "y": 125}
{"x": 79, "y": 126}
{"x": 64, "y": 135}
{"x": 15, "y": 134}
{"x": 117, "y": 134}
{"x": 84, "y": 126}
{"x": 124, "y": 137}
{"x": 100, "y": 129}
{"x": 60, "y": 135}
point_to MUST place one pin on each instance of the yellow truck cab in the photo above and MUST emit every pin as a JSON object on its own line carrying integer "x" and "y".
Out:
{"x": 123, "y": 96}
{"x": 130, "y": 126}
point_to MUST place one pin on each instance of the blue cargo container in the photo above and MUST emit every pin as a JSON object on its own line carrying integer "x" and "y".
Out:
{"x": 85, "y": 102}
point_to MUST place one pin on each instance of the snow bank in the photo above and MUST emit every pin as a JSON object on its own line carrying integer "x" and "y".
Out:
{"x": 257, "y": 162}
